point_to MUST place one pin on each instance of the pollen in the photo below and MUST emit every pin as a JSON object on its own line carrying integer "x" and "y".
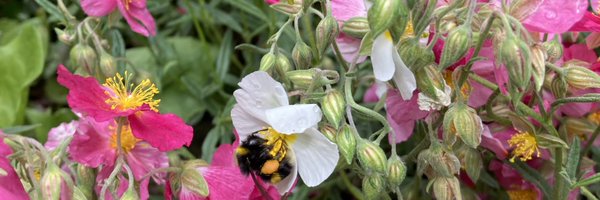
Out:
{"x": 124, "y": 96}
{"x": 525, "y": 146}
{"x": 128, "y": 141}
{"x": 270, "y": 167}
{"x": 594, "y": 117}
{"x": 521, "y": 194}
{"x": 278, "y": 141}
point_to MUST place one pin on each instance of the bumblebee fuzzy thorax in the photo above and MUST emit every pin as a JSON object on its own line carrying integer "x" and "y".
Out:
{"x": 266, "y": 153}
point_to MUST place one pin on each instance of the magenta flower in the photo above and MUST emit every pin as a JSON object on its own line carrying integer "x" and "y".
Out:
{"x": 135, "y": 13}
{"x": 510, "y": 180}
{"x": 58, "y": 134}
{"x": 343, "y": 10}
{"x": 271, "y": 2}
{"x": 11, "y": 187}
{"x": 118, "y": 98}
{"x": 402, "y": 115}
{"x": 555, "y": 16}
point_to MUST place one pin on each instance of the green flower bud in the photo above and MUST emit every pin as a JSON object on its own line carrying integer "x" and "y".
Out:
{"x": 516, "y": 57}
{"x": 538, "y": 58}
{"x": 346, "y": 143}
{"x": 64, "y": 36}
{"x": 356, "y": 27}
{"x": 371, "y": 156}
{"x": 471, "y": 162}
{"x": 191, "y": 178}
{"x": 581, "y": 78}
{"x": 329, "y": 132}
{"x": 414, "y": 55}
{"x": 457, "y": 45}
{"x": 442, "y": 163}
{"x": 288, "y": 8}
{"x": 373, "y": 186}
{"x": 283, "y": 63}
{"x": 430, "y": 80}
{"x": 421, "y": 14}
{"x": 78, "y": 194}
{"x": 83, "y": 56}
{"x": 446, "y": 188}
{"x": 267, "y": 62}
{"x": 400, "y": 28}
{"x": 51, "y": 182}
{"x": 108, "y": 66}
{"x": 130, "y": 194}
{"x": 302, "y": 79}
{"x": 554, "y": 50}
{"x": 327, "y": 31}
{"x": 302, "y": 55}
{"x": 382, "y": 15}
{"x": 559, "y": 86}
{"x": 462, "y": 121}
{"x": 86, "y": 180}
{"x": 333, "y": 105}
{"x": 396, "y": 171}
{"x": 579, "y": 127}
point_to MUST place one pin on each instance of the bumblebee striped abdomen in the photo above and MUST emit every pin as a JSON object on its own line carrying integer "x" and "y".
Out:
{"x": 265, "y": 158}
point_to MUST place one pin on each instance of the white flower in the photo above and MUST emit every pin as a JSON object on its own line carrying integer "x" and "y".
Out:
{"x": 387, "y": 64}
{"x": 263, "y": 103}
{"x": 426, "y": 103}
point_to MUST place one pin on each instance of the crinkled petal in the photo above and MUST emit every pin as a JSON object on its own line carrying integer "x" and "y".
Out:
{"x": 138, "y": 17}
{"x": 245, "y": 123}
{"x": 350, "y": 48}
{"x": 144, "y": 158}
{"x": 220, "y": 181}
{"x": 401, "y": 110}
{"x": 98, "y": 8}
{"x": 91, "y": 143}
{"x": 404, "y": 78}
{"x": 316, "y": 157}
{"x": 382, "y": 58}
{"x": 164, "y": 131}
{"x": 87, "y": 96}
{"x": 294, "y": 118}
{"x": 58, "y": 134}
{"x": 556, "y": 16}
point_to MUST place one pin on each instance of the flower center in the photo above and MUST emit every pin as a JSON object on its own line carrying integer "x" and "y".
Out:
{"x": 521, "y": 194}
{"x": 594, "y": 117}
{"x": 124, "y": 95}
{"x": 128, "y": 141}
{"x": 525, "y": 146}
{"x": 278, "y": 141}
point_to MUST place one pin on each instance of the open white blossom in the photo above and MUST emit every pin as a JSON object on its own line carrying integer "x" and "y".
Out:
{"x": 387, "y": 64}
{"x": 262, "y": 103}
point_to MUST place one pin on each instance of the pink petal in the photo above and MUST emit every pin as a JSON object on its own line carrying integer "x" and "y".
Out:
{"x": 220, "y": 181}
{"x": 224, "y": 156}
{"x": 86, "y": 95}
{"x": 271, "y": 2}
{"x": 138, "y": 13}
{"x": 556, "y": 16}
{"x": 349, "y": 48}
{"x": 479, "y": 94}
{"x": 577, "y": 109}
{"x": 343, "y": 10}
{"x": 401, "y": 110}
{"x": 402, "y": 130}
{"x": 98, "y": 8}
{"x": 579, "y": 52}
{"x": 144, "y": 158}
{"x": 91, "y": 143}
{"x": 588, "y": 23}
{"x": 493, "y": 144}
{"x": 11, "y": 187}
{"x": 58, "y": 134}
{"x": 163, "y": 131}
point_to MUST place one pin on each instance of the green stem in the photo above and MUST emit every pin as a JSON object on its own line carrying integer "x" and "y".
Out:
{"x": 111, "y": 178}
{"x": 484, "y": 33}
{"x": 353, "y": 189}
{"x": 559, "y": 184}
{"x": 348, "y": 92}
{"x": 196, "y": 22}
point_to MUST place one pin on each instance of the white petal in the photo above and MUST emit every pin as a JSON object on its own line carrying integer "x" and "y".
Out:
{"x": 244, "y": 123}
{"x": 381, "y": 89}
{"x": 404, "y": 78}
{"x": 286, "y": 184}
{"x": 316, "y": 156}
{"x": 293, "y": 118}
{"x": 264, "y": 89}
{"x": 381, "y": 57}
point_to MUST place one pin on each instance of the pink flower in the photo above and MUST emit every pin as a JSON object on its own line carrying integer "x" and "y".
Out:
{"x": 58, "y": 134}
{"x": 113, "y": 99}
{"x": 95, "y": 144}
{"x": 343, "y": 10}
{"x": 271, "y": 2}
{"x": 11, "y": 187}
{"x": 510, "y": 180}
{"x": 135, "y": 13}
{"x": 402, "y": 115}
{"x": 555, "y": 16}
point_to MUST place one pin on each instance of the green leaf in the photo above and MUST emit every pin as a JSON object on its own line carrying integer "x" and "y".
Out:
{"x": 51, "y": 8}
{"x": 223, "y": 59}
{"x": 20, "y": 129}
{"x": 588, "y": 181}
{"x": 550, "y": 141}
{"x": 249, "y": 8}
{"x": 209, "y": 146}
{"x": 47, "y": 120}
{"x": 573, "y": 159}
{"x": 22, "y": 51}
{"x": 118, "y": 48}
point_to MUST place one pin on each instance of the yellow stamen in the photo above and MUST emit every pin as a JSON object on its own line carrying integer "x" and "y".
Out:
{"x": 124, "y": 96}
{"x": 278, "y": 141}
{"x": 465, "y": 89}
{"x": 594, "y": 117}
{"x": 525, "y": 146}
{"x": 522, "y": 194}
{"x": 37, "y": 174}
{"x": 128, "y": 141}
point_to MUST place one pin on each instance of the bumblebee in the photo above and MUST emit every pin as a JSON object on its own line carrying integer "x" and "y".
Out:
{"x": 267, "y": 157}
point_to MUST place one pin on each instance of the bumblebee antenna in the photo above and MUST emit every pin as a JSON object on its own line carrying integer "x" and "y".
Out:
{"x": 262, "y": 190}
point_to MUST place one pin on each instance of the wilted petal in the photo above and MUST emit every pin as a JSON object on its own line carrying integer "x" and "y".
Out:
{"x": 294, "y": 118}
{"x": 164, "y": 131}
{"x": 134, "y": 14}
{"x": 316, "y": 157}
{"x": 556, "y": 16}
{"x": 382, "y": 58}
{"x": 91, "y": 143}
{"x": 401, "y": 110}
{"x": 98, "y": 8}
{"x": 58, "y": 134}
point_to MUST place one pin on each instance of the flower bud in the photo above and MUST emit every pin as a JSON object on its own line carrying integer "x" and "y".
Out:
{"x": 414, "y": 55}
{"x": 373, "y": 186}
{"x": 430, "y": 80}
{"x": 130, "y": 194}
{"x": 302, "y": 79}
{"x": 83, "y": 56}
{"x": 382, "y": 15}
{"x": 516, "y": 57}
{"x": 86, "y": 180}
{"x": 356, "y": 27}
{"x": 446, "y": 188}
{"x": 471, "y": 162}
{"x": 346, "y": 143}
{"x": 108, "y": 65}
{"x": 442, "y": 163}
{"x": 327, "y": 31}
{"x": 402, "y": 26}
{"x": 64, "y": 36}
{"x": 333, "y": 105}
{"x": 462, "y": 121}
{"x": 288, "y": 8}
{"x": 302, "y": 55}
{"x": 329, "y": 132}
{"x": 457, "y": 45}
{"x": 580, "y": 127}
{"x": 554, "y": 50}
{"x": 192, "y": 180}
{"x": 267, "y": 62}
{"x": 538, "y": 58}
{"x": 371, "y": 156}
{"x": 559, "y": 86}
{"x": 396, "y": 171}
{"x": 282, "y": 63}
{"x": 51, "y": 182}
{"x": 581, "y": 77}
